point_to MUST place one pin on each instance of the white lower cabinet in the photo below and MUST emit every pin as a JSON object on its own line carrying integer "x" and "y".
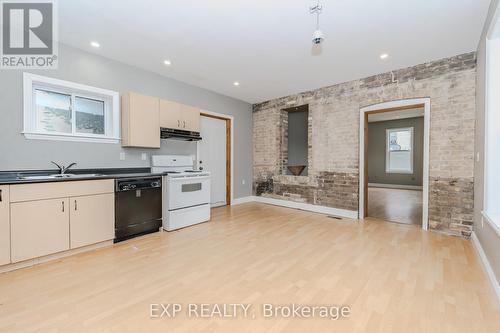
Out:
{"x": 39, "y": 228}
{"x": 92, "y": 219}
{"x": 47, "y": 218}
{"x": 4, "y": 226}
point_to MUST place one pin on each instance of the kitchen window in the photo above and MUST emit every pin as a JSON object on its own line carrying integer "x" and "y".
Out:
{"x": 68, "y": 111}
{"x": 399, "y": 150}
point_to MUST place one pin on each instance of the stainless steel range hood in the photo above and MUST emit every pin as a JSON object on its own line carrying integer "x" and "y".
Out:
{"x": 176, "y": 134}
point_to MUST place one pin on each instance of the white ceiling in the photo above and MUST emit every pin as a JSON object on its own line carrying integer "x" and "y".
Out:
{"x": 266, "y": 45}
{"x": 400, "y": 114}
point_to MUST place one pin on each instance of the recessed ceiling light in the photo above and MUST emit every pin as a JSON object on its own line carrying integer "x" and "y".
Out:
{"x": 167, "y": 62}
{"x": 95, "y": 44}
{"x": 384, "y": 56}
{"x": 236, "y": 83}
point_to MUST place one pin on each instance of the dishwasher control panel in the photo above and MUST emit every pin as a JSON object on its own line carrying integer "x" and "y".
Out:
{"x": 137, "y": 184}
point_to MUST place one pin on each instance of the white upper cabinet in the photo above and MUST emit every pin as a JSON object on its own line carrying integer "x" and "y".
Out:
{"x": 179, "y": 116}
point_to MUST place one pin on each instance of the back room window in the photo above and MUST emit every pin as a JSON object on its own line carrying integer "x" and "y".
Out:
{"x": 399, "y": 150}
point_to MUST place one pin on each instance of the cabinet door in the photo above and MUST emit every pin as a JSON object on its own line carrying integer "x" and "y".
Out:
{"x": 190, "y": 118}
{"x": 4, "y": 226}
{"x": 39, "y": 228}
{"x": 92, "y": 219}
{"x": 170, "y": 114}
{"x": 140, "y": 121}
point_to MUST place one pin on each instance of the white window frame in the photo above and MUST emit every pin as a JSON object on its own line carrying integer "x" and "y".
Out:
{"x": 490, "y": 211}
{"x": 388, "y": 152}
{"x": 111, "y": 100}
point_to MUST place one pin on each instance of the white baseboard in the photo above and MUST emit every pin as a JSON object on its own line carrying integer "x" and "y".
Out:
{"x": 309, "y": 207}
{"x": 486, "y": 264}
{"x": 55, "y": 256}
{"x": 397, "y": 186}
{"x": 352, "y": 214}
{"x": 239, "y": 201}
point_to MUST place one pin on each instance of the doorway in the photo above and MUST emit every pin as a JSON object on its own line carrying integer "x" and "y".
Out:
{"x": 394, "y": 161}
{"x": 214, "y": 155}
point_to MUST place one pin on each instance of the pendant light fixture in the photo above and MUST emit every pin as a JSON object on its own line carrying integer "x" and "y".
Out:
{"x": 318, "y": 36}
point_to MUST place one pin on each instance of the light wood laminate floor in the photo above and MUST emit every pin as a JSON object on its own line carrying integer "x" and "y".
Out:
{"x": 395, "y": 205}
{"x": 395, "y": 278}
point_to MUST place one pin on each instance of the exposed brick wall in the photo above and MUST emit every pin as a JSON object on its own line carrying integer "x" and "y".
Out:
{"x": 451, "y": 205}
{"x": 334, "y": 140}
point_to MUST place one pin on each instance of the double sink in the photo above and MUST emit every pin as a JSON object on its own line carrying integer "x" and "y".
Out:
{"x": 60, "y": 176}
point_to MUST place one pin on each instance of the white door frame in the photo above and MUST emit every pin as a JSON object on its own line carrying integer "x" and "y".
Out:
{"x": 394, "y": 105}
{"x": 231, "y": 119}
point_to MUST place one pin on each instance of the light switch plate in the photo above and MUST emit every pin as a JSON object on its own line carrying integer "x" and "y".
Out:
{"x": 242, "y": 182}
{"x": 144, "y": 156}
{"x": 122, "y": 156}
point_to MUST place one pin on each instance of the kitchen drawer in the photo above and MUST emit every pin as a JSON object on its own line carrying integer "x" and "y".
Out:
{"x": 60, "y": 189}
{"x": 185, "y": 217}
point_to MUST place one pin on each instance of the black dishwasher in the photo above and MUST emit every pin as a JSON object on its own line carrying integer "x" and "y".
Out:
{"x": 138, "y": 207}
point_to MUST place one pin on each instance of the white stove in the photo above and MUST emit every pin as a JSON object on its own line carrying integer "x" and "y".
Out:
{"x": 186, "y": 191}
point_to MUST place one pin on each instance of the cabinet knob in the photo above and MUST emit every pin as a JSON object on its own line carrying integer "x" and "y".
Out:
{"x": 76, "y": 205}
{"x": 1, "y": 196}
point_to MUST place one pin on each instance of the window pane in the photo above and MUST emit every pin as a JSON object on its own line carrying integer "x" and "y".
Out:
{"x": 89, "y": 114}
{"x": 400, "y": 161}
{"x": 399, "y": 154}
{"x": 400, "y": 140}
{"x": 53, "y": 111}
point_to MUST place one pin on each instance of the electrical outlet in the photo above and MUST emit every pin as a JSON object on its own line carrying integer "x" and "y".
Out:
{"x": 477, "y": 157}
{"x": 122, "y": 156}
{"x": 242, "y": 182}
{"x": 144, "y": 156}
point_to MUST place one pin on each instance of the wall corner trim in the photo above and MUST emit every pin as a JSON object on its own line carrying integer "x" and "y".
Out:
{"x": 486, "y": 264}
{"x": 299, "y": 205}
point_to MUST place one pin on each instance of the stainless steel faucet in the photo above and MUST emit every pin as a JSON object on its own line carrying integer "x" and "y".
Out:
{"x": 62, "y": 168}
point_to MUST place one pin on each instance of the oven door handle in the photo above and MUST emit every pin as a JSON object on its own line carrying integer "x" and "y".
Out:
{"x": 193, "y": 178}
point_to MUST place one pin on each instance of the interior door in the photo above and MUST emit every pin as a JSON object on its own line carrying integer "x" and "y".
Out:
{"x": 212, "y": 157}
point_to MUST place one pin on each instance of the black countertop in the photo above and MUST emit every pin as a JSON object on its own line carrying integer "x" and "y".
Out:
{"x": 16, "y": 177}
